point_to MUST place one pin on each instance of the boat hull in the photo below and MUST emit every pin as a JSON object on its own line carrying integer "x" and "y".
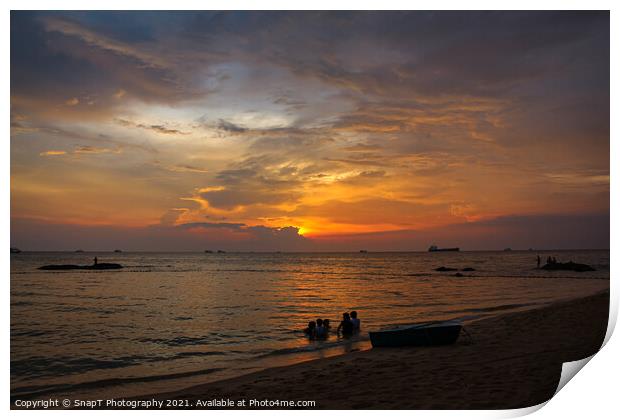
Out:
{"x": 430, "y": 335}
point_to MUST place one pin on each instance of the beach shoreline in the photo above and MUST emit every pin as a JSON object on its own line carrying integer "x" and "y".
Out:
{"x": 506, "y": 361}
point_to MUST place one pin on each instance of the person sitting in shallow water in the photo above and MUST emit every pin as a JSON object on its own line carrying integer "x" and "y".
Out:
{"x": 311, "y": 330}
{"x": 326, "y": 325}
{"x": 355, "y": 321}
{"x": 320, "y": 331}
{"x": 346, "y": 326}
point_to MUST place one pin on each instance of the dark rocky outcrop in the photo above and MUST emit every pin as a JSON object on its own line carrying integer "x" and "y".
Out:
{"x": 100, "y": 266}
{"x": 568, "y": 266}
{"x": 468, "y": 269}
{"x": 442, "y": 268}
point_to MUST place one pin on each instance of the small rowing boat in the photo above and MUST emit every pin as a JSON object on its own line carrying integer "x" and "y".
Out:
{"x": 431, "y": 334}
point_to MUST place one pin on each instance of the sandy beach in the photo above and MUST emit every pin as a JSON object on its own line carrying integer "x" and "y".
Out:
{"x": 509, "y": 361}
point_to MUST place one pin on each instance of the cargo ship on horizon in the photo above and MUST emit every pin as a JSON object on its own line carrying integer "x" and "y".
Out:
{"x": 434, "y": 248}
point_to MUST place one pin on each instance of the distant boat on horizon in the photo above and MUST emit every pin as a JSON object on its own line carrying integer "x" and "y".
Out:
{"x": 434, "y": 248}
{"x": 117, "y": 250}
{"x": 79, "y": 250}
{"x": 219, "y": 251}
{"x": 208, "y": 251}
{"x": 363, "y": 251}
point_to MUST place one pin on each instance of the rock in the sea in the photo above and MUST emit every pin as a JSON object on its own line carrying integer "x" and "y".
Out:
{"x": 568, "y": 266}
{"x": 105, "y": 266}
{"x": 458, "y": 275}
{"x": 442, "y": 268}
{"x": 468, "y": 269}
{"x": 100, "y": 266}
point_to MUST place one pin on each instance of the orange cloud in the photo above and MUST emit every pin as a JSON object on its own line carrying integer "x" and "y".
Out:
{"x": 120, "y": 93}
{"x": 72, "y": 102}
{"x": 53, "y": 153}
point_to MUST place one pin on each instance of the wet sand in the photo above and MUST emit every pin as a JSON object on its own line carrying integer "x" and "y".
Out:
{"x": 510, "y": 361}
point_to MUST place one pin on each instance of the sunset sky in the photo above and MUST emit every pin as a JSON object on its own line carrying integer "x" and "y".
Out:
{"x": 309, "y": 131}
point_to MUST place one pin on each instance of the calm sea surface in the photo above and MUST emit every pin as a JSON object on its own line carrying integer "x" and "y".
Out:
{"x": 168, "y": 321}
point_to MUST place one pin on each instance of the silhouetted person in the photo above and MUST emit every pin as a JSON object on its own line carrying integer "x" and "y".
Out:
{"x": 538, "y": 261}
{"x": 321, "y": 332}
{"x": 311, "y": 330}
{"x": 553, "y": 260}
{"x": 355, "y": 321}
{"x": 95, "y": 260}
{"x": 346, "y": 326}
{"x": 326, "y": 324}
{"x": 549, "y": 260}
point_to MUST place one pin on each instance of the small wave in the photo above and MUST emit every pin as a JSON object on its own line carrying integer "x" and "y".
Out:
{"x": 48, "y": 367}
{"x": 203, "y": 353}
{"x": 33, "y": 392}
{"x": 490, "y": 308}
{"x": 181, "y": 341}
{"x": 22, "y": 303}
{"x": 194, "y": 341}
{"x": 315, "y": 347}
{"x": 25, "y": 293}
{"x": 255, "y": 270}
{"x": 32, "y": 333}
{"x": 51, "y": 367}
{"x": 415, "y": 305}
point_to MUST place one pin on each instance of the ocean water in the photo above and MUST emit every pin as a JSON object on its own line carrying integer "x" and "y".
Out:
{"x": 168, "y": 321}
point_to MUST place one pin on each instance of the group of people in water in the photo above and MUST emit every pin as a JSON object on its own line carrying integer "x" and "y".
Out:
{"x": 319, "y": 329}
{"x": 550, "y": 260}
